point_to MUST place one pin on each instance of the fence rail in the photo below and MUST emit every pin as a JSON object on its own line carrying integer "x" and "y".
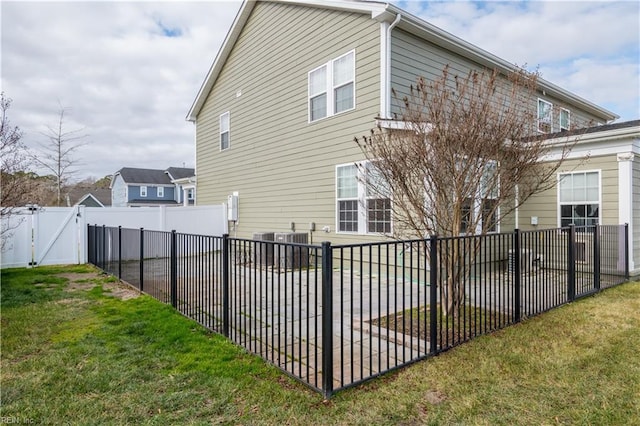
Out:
{"x": 335, "y": 316}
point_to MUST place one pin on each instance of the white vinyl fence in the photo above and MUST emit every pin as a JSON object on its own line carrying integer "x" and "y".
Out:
{"x": 57, "y": 235}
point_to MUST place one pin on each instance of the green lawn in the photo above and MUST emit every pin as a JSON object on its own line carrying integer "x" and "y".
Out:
{"x": 76, "y": 350}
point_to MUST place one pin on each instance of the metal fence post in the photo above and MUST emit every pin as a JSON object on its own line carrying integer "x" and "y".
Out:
{"x": 571, "y": 264}
{"x": 141, "y": 259}
{"x": 626, "y": 251}
{"x": 119, "y": 252}
{"x": 174, "y": 271}
{"x": 225, "y": 285}
{"x": 89, "y": 244}
{"x": 433, "y": 293}
{"x": 517, "y": 279}
{"x": 596, "y": 257}
{"x": 327, "y": 319}
{"x": 103, "y": 263}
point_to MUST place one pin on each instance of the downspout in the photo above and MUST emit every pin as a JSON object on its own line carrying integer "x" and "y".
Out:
{"x": 385, "y": 69}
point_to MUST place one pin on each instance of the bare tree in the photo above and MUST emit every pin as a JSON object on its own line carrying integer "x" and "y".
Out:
{"x": 17, "y": 184}
{"x": 459, "y": 158}
{"x": 57, "y": 152}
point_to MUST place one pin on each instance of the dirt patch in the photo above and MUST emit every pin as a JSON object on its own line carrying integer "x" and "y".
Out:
{"x": 87, "y": 281}
{"x": 120, "y": 290}
{"x": 435, "y": 397}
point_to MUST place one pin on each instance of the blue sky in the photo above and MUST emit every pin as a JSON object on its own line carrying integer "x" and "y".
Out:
{"x": 129, "y": 71}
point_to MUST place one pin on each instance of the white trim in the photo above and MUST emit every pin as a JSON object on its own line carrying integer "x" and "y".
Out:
{"x": 145, "y": 191}
{"x": 568, "y": 127}
{"x": 160, "y": 191}
{"x": 228, "y": 131}
{"x": 625, "y": 197}
{"x": 361, "y": 200}
{"x": 573, "y": 172}
{"x": 330, "y": 88}
{"x": 545, "y": 120}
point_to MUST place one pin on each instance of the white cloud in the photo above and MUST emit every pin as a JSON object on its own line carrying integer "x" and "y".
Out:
{"x": 129, "y": 85}
{"x": 591, "y": 48}
{"x": 126, "y": 82}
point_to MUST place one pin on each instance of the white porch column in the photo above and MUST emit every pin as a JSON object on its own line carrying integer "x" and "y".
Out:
{"x": 625, "y": 197}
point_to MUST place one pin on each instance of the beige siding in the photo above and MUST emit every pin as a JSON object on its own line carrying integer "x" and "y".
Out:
{"x": 413, "y": 57}
{"x": 545, "y": 204}
{"x": 282, "y": 166}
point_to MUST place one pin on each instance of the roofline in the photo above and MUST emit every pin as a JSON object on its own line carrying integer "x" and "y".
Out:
{"x": 87, "y": 196}
{"x": 626, "y": 132}
{"x": 387, "y": 12}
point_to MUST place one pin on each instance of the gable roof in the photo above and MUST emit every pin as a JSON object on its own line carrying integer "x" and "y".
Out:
{"x": 78, "y": 194}
{"x": 384, "y": 12}
{"x": 143, "y": 176}
{"x": 180, "y": 173}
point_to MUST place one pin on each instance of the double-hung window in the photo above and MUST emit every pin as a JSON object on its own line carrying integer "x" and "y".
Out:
{"x": 483, "y": 205}
{"x": 579, "y": 198}
{"x": 544, "y": 116}
{"x": 160, "y": 192}
{"x": 332, "y": 87}
{"x": 363, "y": 201}
{"x": 143, "y": 191}
{"x": 225, "y": 127}
{"x": 565, "y": 119}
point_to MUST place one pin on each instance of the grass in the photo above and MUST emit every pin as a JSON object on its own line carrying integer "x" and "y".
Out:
{"x": 73, "y": 353}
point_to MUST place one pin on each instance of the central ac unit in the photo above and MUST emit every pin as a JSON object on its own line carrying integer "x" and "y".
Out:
{"x": 290, "y": 256}
{"x": 264, "y": 250}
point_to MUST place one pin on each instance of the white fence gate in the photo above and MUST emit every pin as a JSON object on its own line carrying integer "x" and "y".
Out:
{"x": 57, "y": 235}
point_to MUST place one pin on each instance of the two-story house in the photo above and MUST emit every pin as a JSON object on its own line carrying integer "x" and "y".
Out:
{"x": 135, "y": 187}
{"x": 292, "y": 85}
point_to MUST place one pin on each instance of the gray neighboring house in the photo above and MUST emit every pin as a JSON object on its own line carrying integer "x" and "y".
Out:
{"x": 89, "y": 197}
{"x": 135, "y": 187}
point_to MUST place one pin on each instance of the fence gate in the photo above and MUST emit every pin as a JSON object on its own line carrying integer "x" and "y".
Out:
{"x": 53, "y": 236}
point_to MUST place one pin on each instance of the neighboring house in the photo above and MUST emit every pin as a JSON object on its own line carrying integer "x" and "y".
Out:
{"x": 89, "y": 197}
{"x": 296, "y": 81}
{"x": 133, "y": 187}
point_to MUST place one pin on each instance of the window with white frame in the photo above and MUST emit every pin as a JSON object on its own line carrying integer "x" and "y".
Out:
{"x": 143, "y": 191}
{"x": 483, "y": 205}
{"x": 224, "y": 130}
{"x": 579, "y": 198}
{"x": 565, "y": 119}
{"x": 190, "y": 193}
{"x": 363, "y": 202}
{"x": 544, "y": 116}
{"x": 160, "y": 192}
{"x": 332, "y": 87}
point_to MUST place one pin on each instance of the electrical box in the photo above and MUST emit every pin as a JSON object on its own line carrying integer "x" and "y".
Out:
{"x": 232, "y": 208}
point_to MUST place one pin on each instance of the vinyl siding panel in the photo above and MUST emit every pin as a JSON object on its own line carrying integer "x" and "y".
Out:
{"x": 545, "y": 204}
{"x": 413, "y": 57}
{"x": 282, "y": 166}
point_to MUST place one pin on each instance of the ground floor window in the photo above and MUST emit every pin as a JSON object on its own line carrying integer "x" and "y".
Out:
{"x": 363, "y": 203}
{"x": 579, "y": 198}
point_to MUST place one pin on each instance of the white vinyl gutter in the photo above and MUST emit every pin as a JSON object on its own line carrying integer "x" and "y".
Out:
{"x": 385, "y": 66}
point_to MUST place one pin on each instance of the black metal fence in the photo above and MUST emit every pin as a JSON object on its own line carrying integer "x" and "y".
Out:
{"x": 335, "y": 316}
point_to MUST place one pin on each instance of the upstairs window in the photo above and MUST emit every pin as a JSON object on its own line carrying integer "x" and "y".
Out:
{"x": 332, "y": 87}
{"x": 160, "y": 192}
{"x": 143, "y": 191}
{"x": 224, "y": 131}
{"x": 565, "y": 119}
{"x": 544, "y": 116}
